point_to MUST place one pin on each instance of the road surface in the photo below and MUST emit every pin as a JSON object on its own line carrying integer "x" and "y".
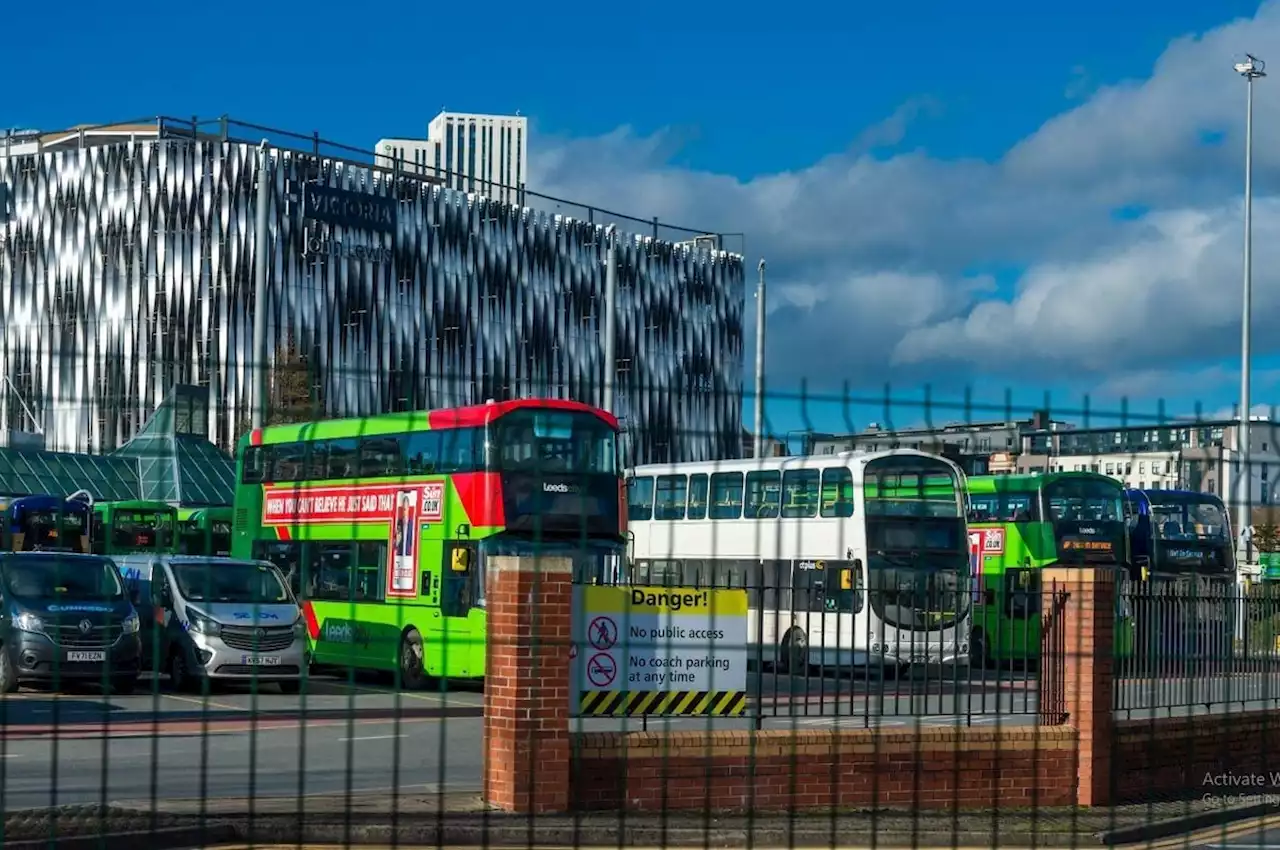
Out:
{"x": 364, "y": 737}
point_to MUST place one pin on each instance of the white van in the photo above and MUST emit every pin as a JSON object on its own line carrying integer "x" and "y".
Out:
{"x": 223, "y": 619}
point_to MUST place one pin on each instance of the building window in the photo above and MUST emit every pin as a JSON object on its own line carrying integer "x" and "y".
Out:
{"x": 1142, "y": 467}
{"x": 1111, "y": 469}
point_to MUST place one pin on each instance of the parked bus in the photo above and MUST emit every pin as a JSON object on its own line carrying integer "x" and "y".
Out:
{"x": 204, "y": 531}
{"x": 133, "y": 527}
{"x": 1178, "y": 533}
{"x": 848, "y": 560}
{"x": 384, "y": 525}
{"x": 1019, "y": 524}
{"x": 32, "y": 523}
{"x": 1185, "y": 566}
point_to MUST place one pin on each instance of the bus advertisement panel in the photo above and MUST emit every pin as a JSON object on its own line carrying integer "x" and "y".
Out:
{"x": 384, "y": 525}
{"x": 1020, "y": 524}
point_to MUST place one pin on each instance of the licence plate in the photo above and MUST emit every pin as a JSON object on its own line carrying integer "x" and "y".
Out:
{"x": 86, "y": 656}
{"x": 260, "y": 660}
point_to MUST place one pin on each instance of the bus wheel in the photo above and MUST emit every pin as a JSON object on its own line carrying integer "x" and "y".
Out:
{"x": 413, "y": 675}
{"x": 8, "y": 676}
{"x": 793, "y": 655}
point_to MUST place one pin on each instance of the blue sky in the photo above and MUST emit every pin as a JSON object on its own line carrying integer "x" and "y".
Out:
{"x": 1010, "y": 200}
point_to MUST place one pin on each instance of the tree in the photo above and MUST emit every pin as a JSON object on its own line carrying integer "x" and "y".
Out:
{"x": 291, "y": 393}
{"x": 1266, "y": 538}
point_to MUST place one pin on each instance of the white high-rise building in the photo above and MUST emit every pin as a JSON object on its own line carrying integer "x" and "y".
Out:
{"x": 483, "y": 154}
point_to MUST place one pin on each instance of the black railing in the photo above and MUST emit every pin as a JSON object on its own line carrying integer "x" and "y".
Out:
{"x": 1199, "y": 647}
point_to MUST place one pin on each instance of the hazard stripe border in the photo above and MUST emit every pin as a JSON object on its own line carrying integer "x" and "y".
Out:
{"x": 662, "y": 703}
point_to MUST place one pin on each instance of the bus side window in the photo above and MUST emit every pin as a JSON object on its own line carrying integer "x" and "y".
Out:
{"x": 764, "y": 494}
{"x": 698, "y": 496}
{"x": 670, "y": 497}
{"x": 640, "y": 499}
{"x": 726, "y": 495}
{"x": 837, "y": 492}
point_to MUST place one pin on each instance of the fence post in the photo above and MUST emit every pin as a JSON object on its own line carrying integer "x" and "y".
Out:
{"x": 529, "y": 604}
{"x": 1088, "y": 619}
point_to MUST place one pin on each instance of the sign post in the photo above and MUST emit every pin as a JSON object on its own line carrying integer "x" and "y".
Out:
{"x": 658, "y": 651}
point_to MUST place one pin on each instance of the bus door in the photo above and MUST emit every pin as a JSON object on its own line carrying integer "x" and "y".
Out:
{"x": 1022, "y": 612}
{"x": 460, "y": 631}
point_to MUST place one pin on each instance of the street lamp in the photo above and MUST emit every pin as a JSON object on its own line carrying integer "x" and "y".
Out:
{"x": 1252, "y": 69}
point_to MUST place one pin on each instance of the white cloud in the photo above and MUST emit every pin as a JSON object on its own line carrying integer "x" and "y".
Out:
{"x": 867, "y": 256}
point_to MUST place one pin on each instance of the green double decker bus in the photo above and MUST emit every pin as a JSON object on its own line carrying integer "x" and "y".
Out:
{"x": 204, "y": 531}
{"x": 133, "y": 527}
{"x": 1020, "y": 524}
{"x": 383, "y": 525}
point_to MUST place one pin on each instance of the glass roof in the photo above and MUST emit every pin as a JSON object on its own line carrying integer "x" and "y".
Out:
{"x": 107, "y": 478}
{"x": 207, "y": 475}
{"x": 167, "y": 461}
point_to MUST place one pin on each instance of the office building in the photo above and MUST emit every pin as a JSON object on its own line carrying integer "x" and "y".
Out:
{"x": 980, "y": 448}
{"x": 481, "y": 154}
{"x": 128, "y": 268}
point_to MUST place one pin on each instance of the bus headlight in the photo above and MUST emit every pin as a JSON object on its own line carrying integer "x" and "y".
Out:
{"x": 25, "y": 621}
{"x": 131, "y": 624}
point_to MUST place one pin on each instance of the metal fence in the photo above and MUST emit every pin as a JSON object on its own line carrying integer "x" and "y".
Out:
{"x": 1199, "y": 647}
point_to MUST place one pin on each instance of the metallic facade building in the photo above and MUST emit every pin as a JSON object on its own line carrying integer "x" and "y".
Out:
{"x": 127, "y": 268}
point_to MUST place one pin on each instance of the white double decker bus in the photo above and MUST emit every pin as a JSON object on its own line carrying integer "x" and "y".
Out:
{"x": 849, "y": 560}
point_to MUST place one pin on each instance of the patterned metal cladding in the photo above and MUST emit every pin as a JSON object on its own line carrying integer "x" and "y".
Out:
{"x": 128, "y": 268}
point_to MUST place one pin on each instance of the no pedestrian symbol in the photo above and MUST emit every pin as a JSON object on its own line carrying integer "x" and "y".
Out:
{"x": 602, "y": 670}
{"x": 603, "y": 633}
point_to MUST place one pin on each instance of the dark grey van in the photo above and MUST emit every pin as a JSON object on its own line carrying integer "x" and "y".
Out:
{"x": 66, "y": 618}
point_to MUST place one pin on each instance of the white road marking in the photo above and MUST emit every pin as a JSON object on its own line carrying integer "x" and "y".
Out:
{"x": 373, "y": 738}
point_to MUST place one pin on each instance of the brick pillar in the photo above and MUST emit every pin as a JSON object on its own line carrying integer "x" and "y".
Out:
{"x": 1087, "y": 666}
{"x": 526, "y": 692}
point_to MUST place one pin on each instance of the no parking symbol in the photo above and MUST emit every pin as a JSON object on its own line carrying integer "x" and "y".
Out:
{"x": 602, "y": 670}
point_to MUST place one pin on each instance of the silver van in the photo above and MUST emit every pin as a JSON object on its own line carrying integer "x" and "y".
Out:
{"x": 223, "y": 619}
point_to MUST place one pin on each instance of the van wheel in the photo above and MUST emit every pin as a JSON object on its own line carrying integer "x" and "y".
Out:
{"x": 8, "y": 675}
{"x": 413, "y": 674}
{"x": 179, "y": 677}
{"x": 793, "y": 655}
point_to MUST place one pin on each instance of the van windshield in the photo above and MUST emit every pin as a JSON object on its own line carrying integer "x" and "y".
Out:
{"x": 49, "y": 577}
{"x": 229, "y": 581}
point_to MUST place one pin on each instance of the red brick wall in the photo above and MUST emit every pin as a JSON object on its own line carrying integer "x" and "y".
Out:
{"x": 526, "y": 695}
{"x": 940, "y": 768}
{"x": 1170, "y": 756}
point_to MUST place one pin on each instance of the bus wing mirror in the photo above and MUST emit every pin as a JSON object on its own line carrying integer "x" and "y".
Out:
{"x": 461, "y": 560}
